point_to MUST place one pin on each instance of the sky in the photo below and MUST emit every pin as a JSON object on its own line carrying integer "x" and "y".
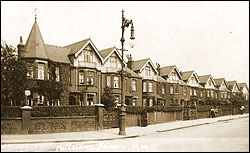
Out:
{"x": 209, "y": 37}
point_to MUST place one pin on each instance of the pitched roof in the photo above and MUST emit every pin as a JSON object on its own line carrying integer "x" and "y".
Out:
{"x": 204, "y": 78}
{"x": 241, "y": 85}
{"x": 34, "y": 46}
{"x": 106, "y": 52}
{"x": 58, "y": 54}
{"x": 75, "y": 47}
{"x": 231, "y": 83}
{"x": 218, "y": 81}
{"x": 186, "y": 75}
{"x": 200, "y": 86}
{"x": 166, "y": 71}
{"x": 160, "y": 79}
{"x": 140, "y": 64}
{"x": 183, "y": 83}
{"x": 133, "y": 74}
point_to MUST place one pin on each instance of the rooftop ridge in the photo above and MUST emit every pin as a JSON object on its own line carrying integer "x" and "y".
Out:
{"x": 77, "y": 42}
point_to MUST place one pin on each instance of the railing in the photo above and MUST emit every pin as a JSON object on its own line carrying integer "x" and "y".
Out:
{"x": 86, "y": 64}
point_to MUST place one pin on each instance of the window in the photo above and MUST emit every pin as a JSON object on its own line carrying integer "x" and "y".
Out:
{"x": 215, "y": 94}
{"x": 163, "y": 89}
{"x": 185, "y": 91}
{"x": 41, "y": 71}
{"x": 171, "y": 89}
{"x": 150, "y": 102}
{"x": 209, "y": 83}
{"x": 57, "y": 74}
{"x": 194, "y": 92}
{"x": 191, "y": 92}
{"x": 144, "y": 86}
{"x": 109, "y": 81}
{"x": 90, "y": 99}
{"x": 201, "y": 94}
{"x": 81, "y": 77}
{"x": 90, "y": 78}
{"x": 113, "y": 61}
{"x": 116, "y": 82}
{"x": 148, "y": 70}
{"x": 88, "y": 57}
{"x": 171, "y": 101}
{"x": 212, "y": 93}
{"x": 226, "y": 95}
{"x": 133, "y": 85}
{"x": 150, "y": 87}
{"x": 222, "y": 94}
{"x": 208, "y": 94}
{"x": 176, "y": 89}
{"x": 176, "y": 101}
{"x": 145, "y": 102}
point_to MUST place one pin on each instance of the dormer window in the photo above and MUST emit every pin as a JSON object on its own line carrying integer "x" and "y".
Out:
{"x": 209, "y": 83}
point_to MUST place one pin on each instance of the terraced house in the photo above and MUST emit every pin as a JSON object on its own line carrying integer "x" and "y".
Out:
{"x": 196, "y": 90}
{"x": 80, "y": 69}
{"x": 224, "y": 92}
{"x": 233, "y": 87}
{"x": 210, "y": 91}
{"x": 111, "y": 78}
{"x": 244, "y": 89}
{"x": 146, "y": 69}
{"x": 177, "y": 89}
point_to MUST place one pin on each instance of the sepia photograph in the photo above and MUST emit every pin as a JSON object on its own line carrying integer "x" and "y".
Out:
{"x": 124, "y": 76}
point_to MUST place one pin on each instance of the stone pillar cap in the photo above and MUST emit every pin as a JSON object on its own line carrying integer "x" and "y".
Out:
{"x": 101, "y": 105}
{"x": 26, "y": 107}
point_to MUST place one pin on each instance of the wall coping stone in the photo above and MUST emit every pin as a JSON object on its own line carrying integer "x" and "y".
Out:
{"x": 26, "y": 107}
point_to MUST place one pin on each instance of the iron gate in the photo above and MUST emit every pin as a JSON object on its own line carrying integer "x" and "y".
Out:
{"x": 110, "y": 120}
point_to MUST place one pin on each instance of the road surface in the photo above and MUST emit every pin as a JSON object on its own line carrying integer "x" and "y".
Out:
{"x": 228, "y": 136}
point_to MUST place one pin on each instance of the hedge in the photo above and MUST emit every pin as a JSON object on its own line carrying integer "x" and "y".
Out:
{"x": 53, "y": 111}
{"x": 11, "y": 111}
{"x": 139, "y": 109}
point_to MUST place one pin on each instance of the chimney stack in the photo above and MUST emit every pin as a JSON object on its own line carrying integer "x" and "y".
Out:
{"x": 130, "y": 62}
{"x": 158, "y": 68}
{"x": 20, "y": 48}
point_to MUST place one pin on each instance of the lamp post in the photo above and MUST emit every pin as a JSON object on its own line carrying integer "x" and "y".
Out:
{"x": 122, "y": 114}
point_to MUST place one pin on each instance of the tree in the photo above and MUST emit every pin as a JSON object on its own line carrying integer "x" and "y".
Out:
{"x": 13, "y": 76}
{"x": 107, "y": 99}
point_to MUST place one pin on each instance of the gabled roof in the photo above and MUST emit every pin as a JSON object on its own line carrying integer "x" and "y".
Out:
{"x": 183, "y": 83}
{"x": 218, "y": 81}
{"x": 241, "y": 85}
{"x": 34, "y": 46}
{"x": 231, "y": 84}
{"x": 160, "y": 79}
{"x": 58, "y": 54}
{"x": 205, "y": 78}
{"x": 200, "y": 86}
{"x": 106, "y": 53}
{"x": 167, "y": 70}
{"x": 133, "y": 74}
{"x": 140, "y": 64}
{"x": 77, "y": 47}
{"x": 186, "y": 75}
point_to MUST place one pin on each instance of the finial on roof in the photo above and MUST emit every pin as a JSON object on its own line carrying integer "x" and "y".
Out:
{"x": 35, "y": 14}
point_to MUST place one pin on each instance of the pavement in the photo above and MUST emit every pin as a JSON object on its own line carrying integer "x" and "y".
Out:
{"x": 112, "y": 134}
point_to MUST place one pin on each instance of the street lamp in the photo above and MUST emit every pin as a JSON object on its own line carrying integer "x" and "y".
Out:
{"x": 122, "y": 114}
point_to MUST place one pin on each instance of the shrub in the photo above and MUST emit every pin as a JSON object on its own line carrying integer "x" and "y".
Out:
{"x": 11, "y": 111}
{"x": 54, "y": 111}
